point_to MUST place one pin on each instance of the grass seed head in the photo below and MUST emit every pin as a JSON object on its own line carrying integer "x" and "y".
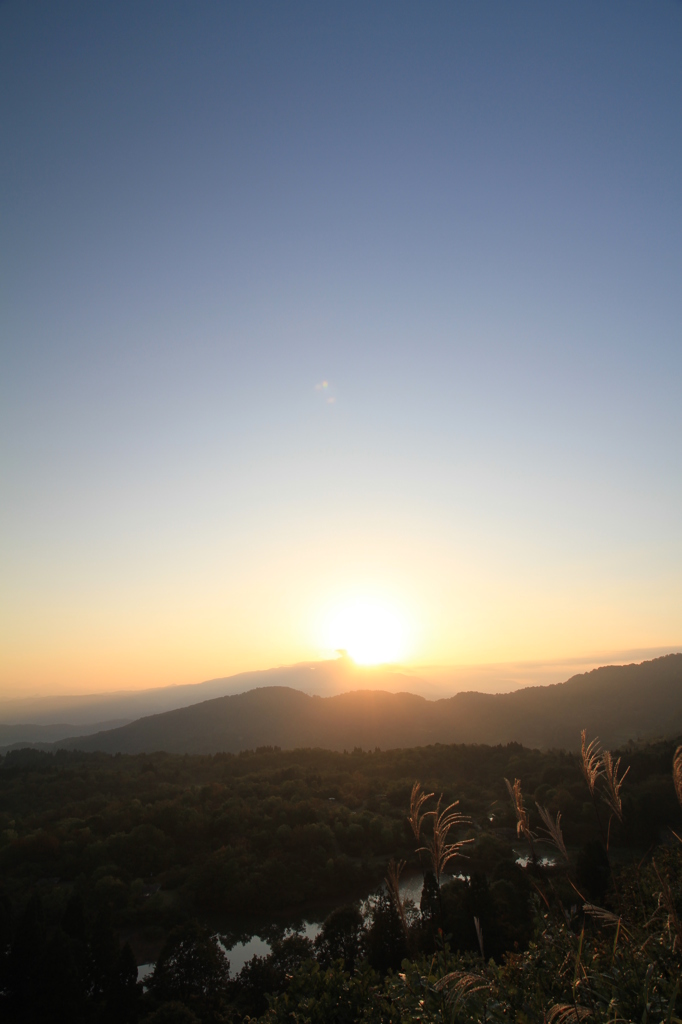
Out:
{"x": 460, "y": 984}
{"x": 677, "y": 773}
{"x": 568, "y": 1013}
{"x": 591, "y": 762}
{"x": 611, "y": 796}
{"x": 440, "y": 849}
{"x": 522, "y": 820}
{"x": 553, "y": 830}
{"x": 416, "y": 816}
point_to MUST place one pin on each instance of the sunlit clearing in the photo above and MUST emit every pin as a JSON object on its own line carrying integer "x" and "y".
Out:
{"x": 370, "y": 633}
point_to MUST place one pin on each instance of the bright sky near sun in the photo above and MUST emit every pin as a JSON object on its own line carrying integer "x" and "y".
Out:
{"x": 342, "y": 325}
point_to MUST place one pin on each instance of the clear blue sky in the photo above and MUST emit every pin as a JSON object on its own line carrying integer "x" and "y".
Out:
{"x": 465, "y": 217}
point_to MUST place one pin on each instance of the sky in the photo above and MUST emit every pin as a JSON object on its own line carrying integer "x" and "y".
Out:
{"x": 317, "y": 318}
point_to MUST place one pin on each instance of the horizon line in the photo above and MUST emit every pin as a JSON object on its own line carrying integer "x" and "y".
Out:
{"x": 602, "y": 660}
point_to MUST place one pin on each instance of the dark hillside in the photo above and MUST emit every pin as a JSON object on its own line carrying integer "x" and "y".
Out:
{"x": 618, "y": 703}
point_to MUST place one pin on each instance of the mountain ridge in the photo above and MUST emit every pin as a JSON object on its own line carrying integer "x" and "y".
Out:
{"x": 94, "y": 709}
{"x": 619, "y": 703}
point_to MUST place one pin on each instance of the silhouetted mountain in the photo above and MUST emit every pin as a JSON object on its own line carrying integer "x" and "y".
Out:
{"x": 93, "y": 710}
{"x": 618, "y": 703}
{"x": 22, "y": 733}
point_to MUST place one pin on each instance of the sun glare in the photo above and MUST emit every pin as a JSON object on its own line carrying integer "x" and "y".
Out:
{"x": 370, "y": 633}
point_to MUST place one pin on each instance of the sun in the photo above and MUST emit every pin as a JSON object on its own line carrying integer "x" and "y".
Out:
{"x": 371, "y": 633}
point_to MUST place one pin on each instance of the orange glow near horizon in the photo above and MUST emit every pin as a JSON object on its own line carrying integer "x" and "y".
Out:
{"x": 278, "y": 607}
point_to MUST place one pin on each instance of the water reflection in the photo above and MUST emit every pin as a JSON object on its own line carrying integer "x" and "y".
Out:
{"x": 241, "y": 952}
{"x": 257, "y": 935}
{"x": 143, "y": 971}
{"x": 524, "y": 858}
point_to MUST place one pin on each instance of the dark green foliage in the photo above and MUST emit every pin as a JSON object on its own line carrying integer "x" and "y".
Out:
{"x": 430, "y": 904}
{"x": 73, "y": 921}
{"x": 171, "y": 1013}
{"x": 153, "y": 838}
{"x": 123, "y": 993}
{"x": 586, "y": 968}
{"x": 63, "y": 979}
{"x": 263, "y": 977}
{"x": 428, "y": 933}
{"x": 318, "y": 996}
{"x": 593, "y": 872}
{"x": 90, "y": 844}
{"x": 104, "y": 953}
{"x": 386, "y": 943}
{"x": 67, "y": 972}
{"x": 192, "y": 969}
{"x": 511, "y": 894}
{"x": 26, "y": 962}
{"x": 494, "y": 906}
{"x": 341, "y": 937}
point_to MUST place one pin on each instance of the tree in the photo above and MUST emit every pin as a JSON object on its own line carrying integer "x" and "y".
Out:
{"x": 341, "y": 937}
{"x": 386, "y": 942}
{"x": 26, "y": 961}
{"x": 123, "y": 991}
{"x": 192, "y": 969}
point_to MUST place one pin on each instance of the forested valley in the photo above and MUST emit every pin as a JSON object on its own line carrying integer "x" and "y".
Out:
{"x": 557, "y": 896}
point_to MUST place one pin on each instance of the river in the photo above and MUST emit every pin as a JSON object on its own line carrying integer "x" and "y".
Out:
{"x": 257, "y": 932}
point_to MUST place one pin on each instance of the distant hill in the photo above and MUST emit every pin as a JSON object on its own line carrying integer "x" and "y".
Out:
{"x": 93, "y": 712}
{"x": 22, "y": 733}
{"x": 99, "y": 710}
{"x": 618, "y": 703}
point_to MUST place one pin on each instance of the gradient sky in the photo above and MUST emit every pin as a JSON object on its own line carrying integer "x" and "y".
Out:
{"x": 465, "y": 217}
